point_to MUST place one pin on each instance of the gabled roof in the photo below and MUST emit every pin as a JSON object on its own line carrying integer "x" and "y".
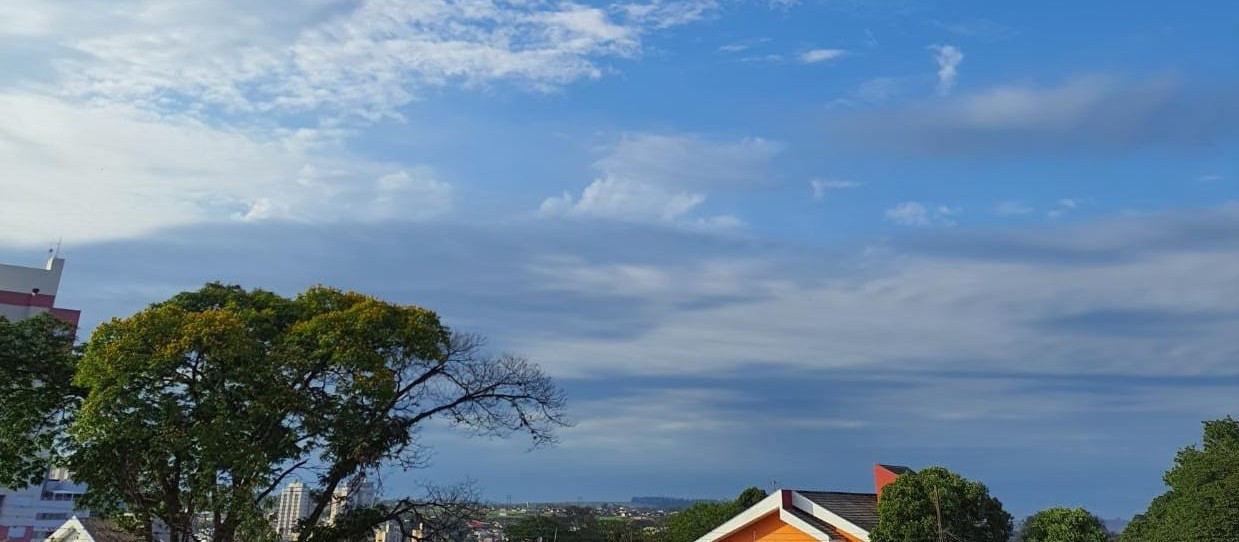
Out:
{"x": 103, "y": 530}
{"x": 897, "y": 469}
{"x": 824, "y": 516}
{"x": 861, "y": 509}
{"x": 827, "y": 528}
{"x": 96, "y": 529}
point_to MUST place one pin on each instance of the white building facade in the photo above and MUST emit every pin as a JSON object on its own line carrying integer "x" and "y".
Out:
{"x": 294, "y": 506}
{"x": 35, "y": 512}
{"x": 359, "y": 493}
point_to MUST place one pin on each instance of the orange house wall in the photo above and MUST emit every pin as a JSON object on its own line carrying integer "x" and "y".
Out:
{"x": 773, "y": 529}
{"x": 769, "y": 529}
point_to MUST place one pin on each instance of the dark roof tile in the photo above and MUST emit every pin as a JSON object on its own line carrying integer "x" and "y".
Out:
{"x": 859, "y": 508}
{"x": 897, "y": 469}
{"x": 827, "y": 528}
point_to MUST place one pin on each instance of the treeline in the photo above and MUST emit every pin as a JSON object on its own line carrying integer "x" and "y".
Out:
{"x": 665, "y": 503}
{"x": 1201, "y": 504}
{"x": 580, "y": 524}
{"x": 576, "y": 524}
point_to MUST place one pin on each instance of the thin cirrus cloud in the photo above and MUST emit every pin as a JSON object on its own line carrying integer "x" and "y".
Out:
{"x": 917, "y": 214}
{"x": 355, "y": 59}
{"x": 605, "y": 298}
{"x": 665, "y": 178}
{"x": 820, "y": 187}
{"x": 815, "y": 56}
{"x": 1092, "y": 114}
{"x": 918, "y": 310}
{"x": 1012, "y": 208}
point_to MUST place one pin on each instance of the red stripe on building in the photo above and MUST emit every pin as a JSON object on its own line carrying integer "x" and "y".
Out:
{"x": 27, "y": 299}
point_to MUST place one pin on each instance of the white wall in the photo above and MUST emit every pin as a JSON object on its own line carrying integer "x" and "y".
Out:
{"x": 15, "y": 278}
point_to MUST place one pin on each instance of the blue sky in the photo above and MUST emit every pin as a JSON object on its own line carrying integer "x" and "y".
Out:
{"x": 754, "y": 241}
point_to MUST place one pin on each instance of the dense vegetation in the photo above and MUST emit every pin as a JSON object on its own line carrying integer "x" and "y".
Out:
{"x": 1201, "y": 503}
{"x": 937, "y": 504}
{"x": 206, "y": 404}
{"x": 1063, "y": 525}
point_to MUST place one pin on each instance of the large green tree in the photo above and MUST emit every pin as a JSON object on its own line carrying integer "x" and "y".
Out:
{"x": 1063, "y": 525}
{"x": 1202, "y": 503}
{"x": 935, "y": 504}
{"x": 37, "y": 364}
{"x": 194, "y": 412}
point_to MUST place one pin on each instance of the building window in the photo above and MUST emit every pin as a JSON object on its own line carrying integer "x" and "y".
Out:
{"x": 48, "y": 516}
{"x": 60, "y": 496}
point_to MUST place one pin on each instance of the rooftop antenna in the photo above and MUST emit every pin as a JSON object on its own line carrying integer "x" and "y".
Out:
{"x": 54, "y": 252}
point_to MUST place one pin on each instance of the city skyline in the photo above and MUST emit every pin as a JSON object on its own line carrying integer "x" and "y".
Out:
{"x": 753, "y": 241}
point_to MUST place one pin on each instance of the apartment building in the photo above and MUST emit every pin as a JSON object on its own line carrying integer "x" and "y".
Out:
{"x": 35, "y": 512}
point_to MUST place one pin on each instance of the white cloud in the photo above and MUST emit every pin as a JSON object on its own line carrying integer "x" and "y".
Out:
{"x": 821, "y": 55}
{"x": 667, "y": 423}
{"x": 983, "y": 29}
{"x": 704, "y": 426}
{"x": 665, "y": 285}
{"x": 878, "y": 90}
{"x": 1024, "y": 312}
{"x": 665, "y": 14}
{"x": 1063, "y": 206}
{"x": 1012, "y": 208}
{"x": 742, "y": 45}
{"x": 870, "y": 39}
{"x": 1084, "y": 114}
{"x": 348, "y": 58}
{"x": 874, "y": 91}
{"x": 821, "y": 186}
{"x": 104, "y": 172}
{"x": 619, "y": 198}
{"x": 406, "y": 195}
{"x": 911, "y": 213}
{"x": 691, "y": 161}
{"x": 1209, "y": 178}
{"x": 948, "y": 58}
{"x": 772, "y": 58}
{"x": 651, "y": 177}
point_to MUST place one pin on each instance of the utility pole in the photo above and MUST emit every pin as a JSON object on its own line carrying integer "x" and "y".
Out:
{"x": 938, "y": 513}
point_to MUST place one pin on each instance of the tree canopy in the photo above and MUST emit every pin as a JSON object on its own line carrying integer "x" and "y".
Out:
{"x": 37, "y": 362}
{"x": 1063, "y": 525}
{"x": 936, "y": 504}
{"x": 695, "y": 521}
{"x": 1202, "y": 502}
{"x": 205, "y": 405}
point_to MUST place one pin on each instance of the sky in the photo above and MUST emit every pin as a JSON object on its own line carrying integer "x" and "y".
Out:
{"x": 758, "y": 243}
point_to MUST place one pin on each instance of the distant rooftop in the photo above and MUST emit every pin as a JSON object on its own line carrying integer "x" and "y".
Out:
{"x": 29, "y": 291}
{"x": 21, "y": 279}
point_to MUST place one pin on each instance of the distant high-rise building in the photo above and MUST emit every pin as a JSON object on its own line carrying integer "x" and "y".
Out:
{"x": 294, "y": 506}
{"x": 358, "y": 493}
{"x": 35, "y": 512}
{"x": 390, "y": 531}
